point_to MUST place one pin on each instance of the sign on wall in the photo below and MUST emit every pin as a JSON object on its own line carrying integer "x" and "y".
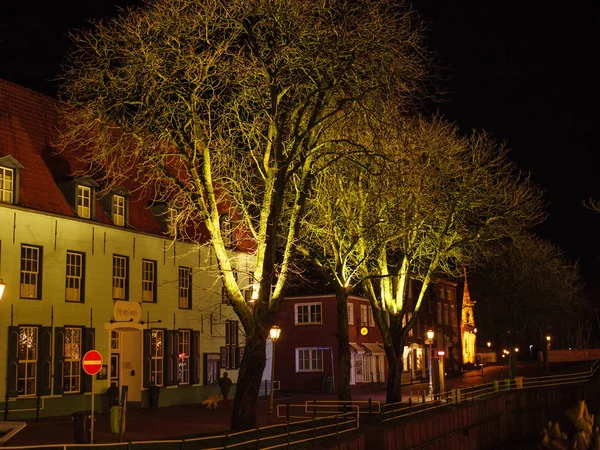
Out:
{"x": 124, "y": 311}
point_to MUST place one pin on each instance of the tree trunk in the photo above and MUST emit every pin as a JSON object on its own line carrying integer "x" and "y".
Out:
{"x": 243, "y": 415}
{"x": 344, "y": 392}
{"x": 394, "y": 349}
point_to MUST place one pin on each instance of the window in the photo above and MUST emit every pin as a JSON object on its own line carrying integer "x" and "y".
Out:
{"x": 185, "y": 287}
{"x": 157, "y": 353}
{"x": 72, "y": 365}
{"x": 366, "y": 316}
{"x": 309, "y": 360}
{"x": 27, "y": 352}
{"x": 446, "y": 316}
{"x": 84, "y": 201}
{"x": 350, "y": 313}
{"x": 118, "y": 210}
{"x": 184, "y": 352}
{"x": 120, "y": 275}
{"x": 74, "y": 279}
{"x": 31, "y": 266}
{"x": 308, "y": 313}
{"x": 230, "y": 356}
{"x": 148, "y": 281}
{"x": 439, "y": 312}
{"x": 7, "y": 183}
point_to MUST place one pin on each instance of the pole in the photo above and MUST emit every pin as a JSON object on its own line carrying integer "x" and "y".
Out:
{"x": 272, "y": 384}
{"x": 92, "y": 413}
{"x": 431, "y": 368}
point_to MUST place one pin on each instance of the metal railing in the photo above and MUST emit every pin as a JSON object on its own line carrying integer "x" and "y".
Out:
{"x": 269, "y": 437}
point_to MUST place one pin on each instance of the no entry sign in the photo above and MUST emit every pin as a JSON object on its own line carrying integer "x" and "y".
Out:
{"x": 92, "y": 362}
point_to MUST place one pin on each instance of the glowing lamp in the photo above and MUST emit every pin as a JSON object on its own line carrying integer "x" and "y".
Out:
{"x": 2, "y": 286}
{"x": 489, "y": 344}
{"x": 274, "y": 333}
{"x": 548, "y": 338}
{"x": 430, "y": 334}
{"x": 441, "y": 352}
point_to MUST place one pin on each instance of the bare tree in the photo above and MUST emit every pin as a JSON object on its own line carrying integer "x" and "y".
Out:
{"x": 444, "y": 198}
{"x": 526, "y": 289}
{"x": 221, "y": 108}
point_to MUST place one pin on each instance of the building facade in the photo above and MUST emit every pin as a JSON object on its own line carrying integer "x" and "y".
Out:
{"x": 85, "y": 270}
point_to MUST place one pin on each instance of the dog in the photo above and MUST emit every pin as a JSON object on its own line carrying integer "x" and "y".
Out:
{"x": 211, "y": 402}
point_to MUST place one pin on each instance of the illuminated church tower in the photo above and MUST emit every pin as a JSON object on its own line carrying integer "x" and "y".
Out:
{"x": 467, "y": 326}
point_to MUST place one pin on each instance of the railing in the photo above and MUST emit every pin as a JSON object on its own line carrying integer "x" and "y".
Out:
{"x": 269, "y": 437}
{"x": 393, "y": 411}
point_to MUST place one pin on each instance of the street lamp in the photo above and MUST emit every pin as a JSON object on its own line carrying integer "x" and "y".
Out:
{"x": 274, "y": 333}
{"x": 530, "y": 351}
{"x": 430, "y": 335}
{"x": 489, "y": 344}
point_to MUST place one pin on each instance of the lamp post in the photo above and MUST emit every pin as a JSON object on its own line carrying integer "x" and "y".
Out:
{"x": 546, "y": 356}
{"x": 430, "y": 335}
{"x": 274, "y": 333}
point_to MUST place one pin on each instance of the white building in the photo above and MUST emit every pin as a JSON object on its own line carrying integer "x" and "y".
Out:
{"x": 89, "y": 272}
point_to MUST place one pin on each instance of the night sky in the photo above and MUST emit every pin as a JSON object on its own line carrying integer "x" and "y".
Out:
{"x": 523, "y": 71}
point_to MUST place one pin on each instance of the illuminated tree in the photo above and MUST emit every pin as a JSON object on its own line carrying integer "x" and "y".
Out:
{"x": 222, "y": 108}
{"x": 445, "y": 197}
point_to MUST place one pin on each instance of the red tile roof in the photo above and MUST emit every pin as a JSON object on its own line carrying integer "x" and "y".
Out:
{"x": 28, "y": 122}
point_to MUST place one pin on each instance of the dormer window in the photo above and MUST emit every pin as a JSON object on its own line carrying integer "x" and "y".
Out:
{"x": 118, "y": 210}
{"x": 9, "y": 179}
{"x": 84, "y": 201}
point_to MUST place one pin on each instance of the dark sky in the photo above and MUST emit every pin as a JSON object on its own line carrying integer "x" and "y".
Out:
{"x": 523, "y": 71}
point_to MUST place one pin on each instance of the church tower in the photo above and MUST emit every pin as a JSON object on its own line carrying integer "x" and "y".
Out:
{"x": 468, "y": 331}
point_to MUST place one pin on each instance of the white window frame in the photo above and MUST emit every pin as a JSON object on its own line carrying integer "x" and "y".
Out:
{"x": 308, "y": 313}
{"x": 74, "y": 276}
{"x": 84, "y": 201}
{"x": 72, "y": 354}
{"x": 119, "y": 278}
{"x": 350, "y": 313}
{"x": 185, "y": 287}
{"x": 31, "y": 262}
{"x": 27, "y": 351}
{"x": 7, "y": 185}
{"x": 366, "y": 316}
{"x": 157, "y": 354}
{"x": 309, "y": 359}
{"x": 118, "y": 210}
{"x": 183, "y": 354}
{"x": 148, "y": 281}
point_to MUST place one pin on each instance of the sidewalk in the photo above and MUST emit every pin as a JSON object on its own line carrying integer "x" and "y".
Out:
{"x": 194, "y": 419}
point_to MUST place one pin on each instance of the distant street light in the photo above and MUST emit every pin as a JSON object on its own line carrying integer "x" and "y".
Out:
{"x": 430, "y": 335}
{"x": 489, "y": 344}
{"x": 274, "y": 333}
{"x": 531, "y": 351}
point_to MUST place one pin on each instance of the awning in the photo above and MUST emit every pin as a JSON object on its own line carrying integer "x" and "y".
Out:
{"x": 357, "y": 348}
{"x": 375, "y": 349}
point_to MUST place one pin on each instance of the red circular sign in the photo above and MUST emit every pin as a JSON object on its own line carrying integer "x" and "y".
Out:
{"x": 92, "y": 362}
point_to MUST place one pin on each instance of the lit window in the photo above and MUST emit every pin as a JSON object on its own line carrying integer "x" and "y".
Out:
{"x": 7, "y": 182}
{"x": 84, "y": 201}
{"x": 120, "y": 269}
{"x": 185, "y": 287}
{"x": 308, "y": 313}
{"x": 118, "y": 210}
{"x": 74, "y": 281}
{"x": 31, "y": 260}
{"x": 27, "y": 353}
{"x": 157, "y": 349}
{"x": 184, "y": 357}
{"x": 309, "y": 360}
{"x": 148, "y": 281}
{"x": 72, "y": 355}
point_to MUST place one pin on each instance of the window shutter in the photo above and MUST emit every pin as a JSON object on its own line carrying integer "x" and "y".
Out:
{"x": 59, "y": 360}
{"x": 171, "y": 358}
{"x": 45, "y": 361}
{"x": 224, "y": 357}
{"x": 13, "y": 362}
{"x": 239, "y": 356}
{"x": 89, "y": 343}
{"x": 147, "y": 358}
{"x": 195, "y": 358}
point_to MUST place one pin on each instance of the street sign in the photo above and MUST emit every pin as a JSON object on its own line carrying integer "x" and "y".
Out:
{"x": 92, "y": 362}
